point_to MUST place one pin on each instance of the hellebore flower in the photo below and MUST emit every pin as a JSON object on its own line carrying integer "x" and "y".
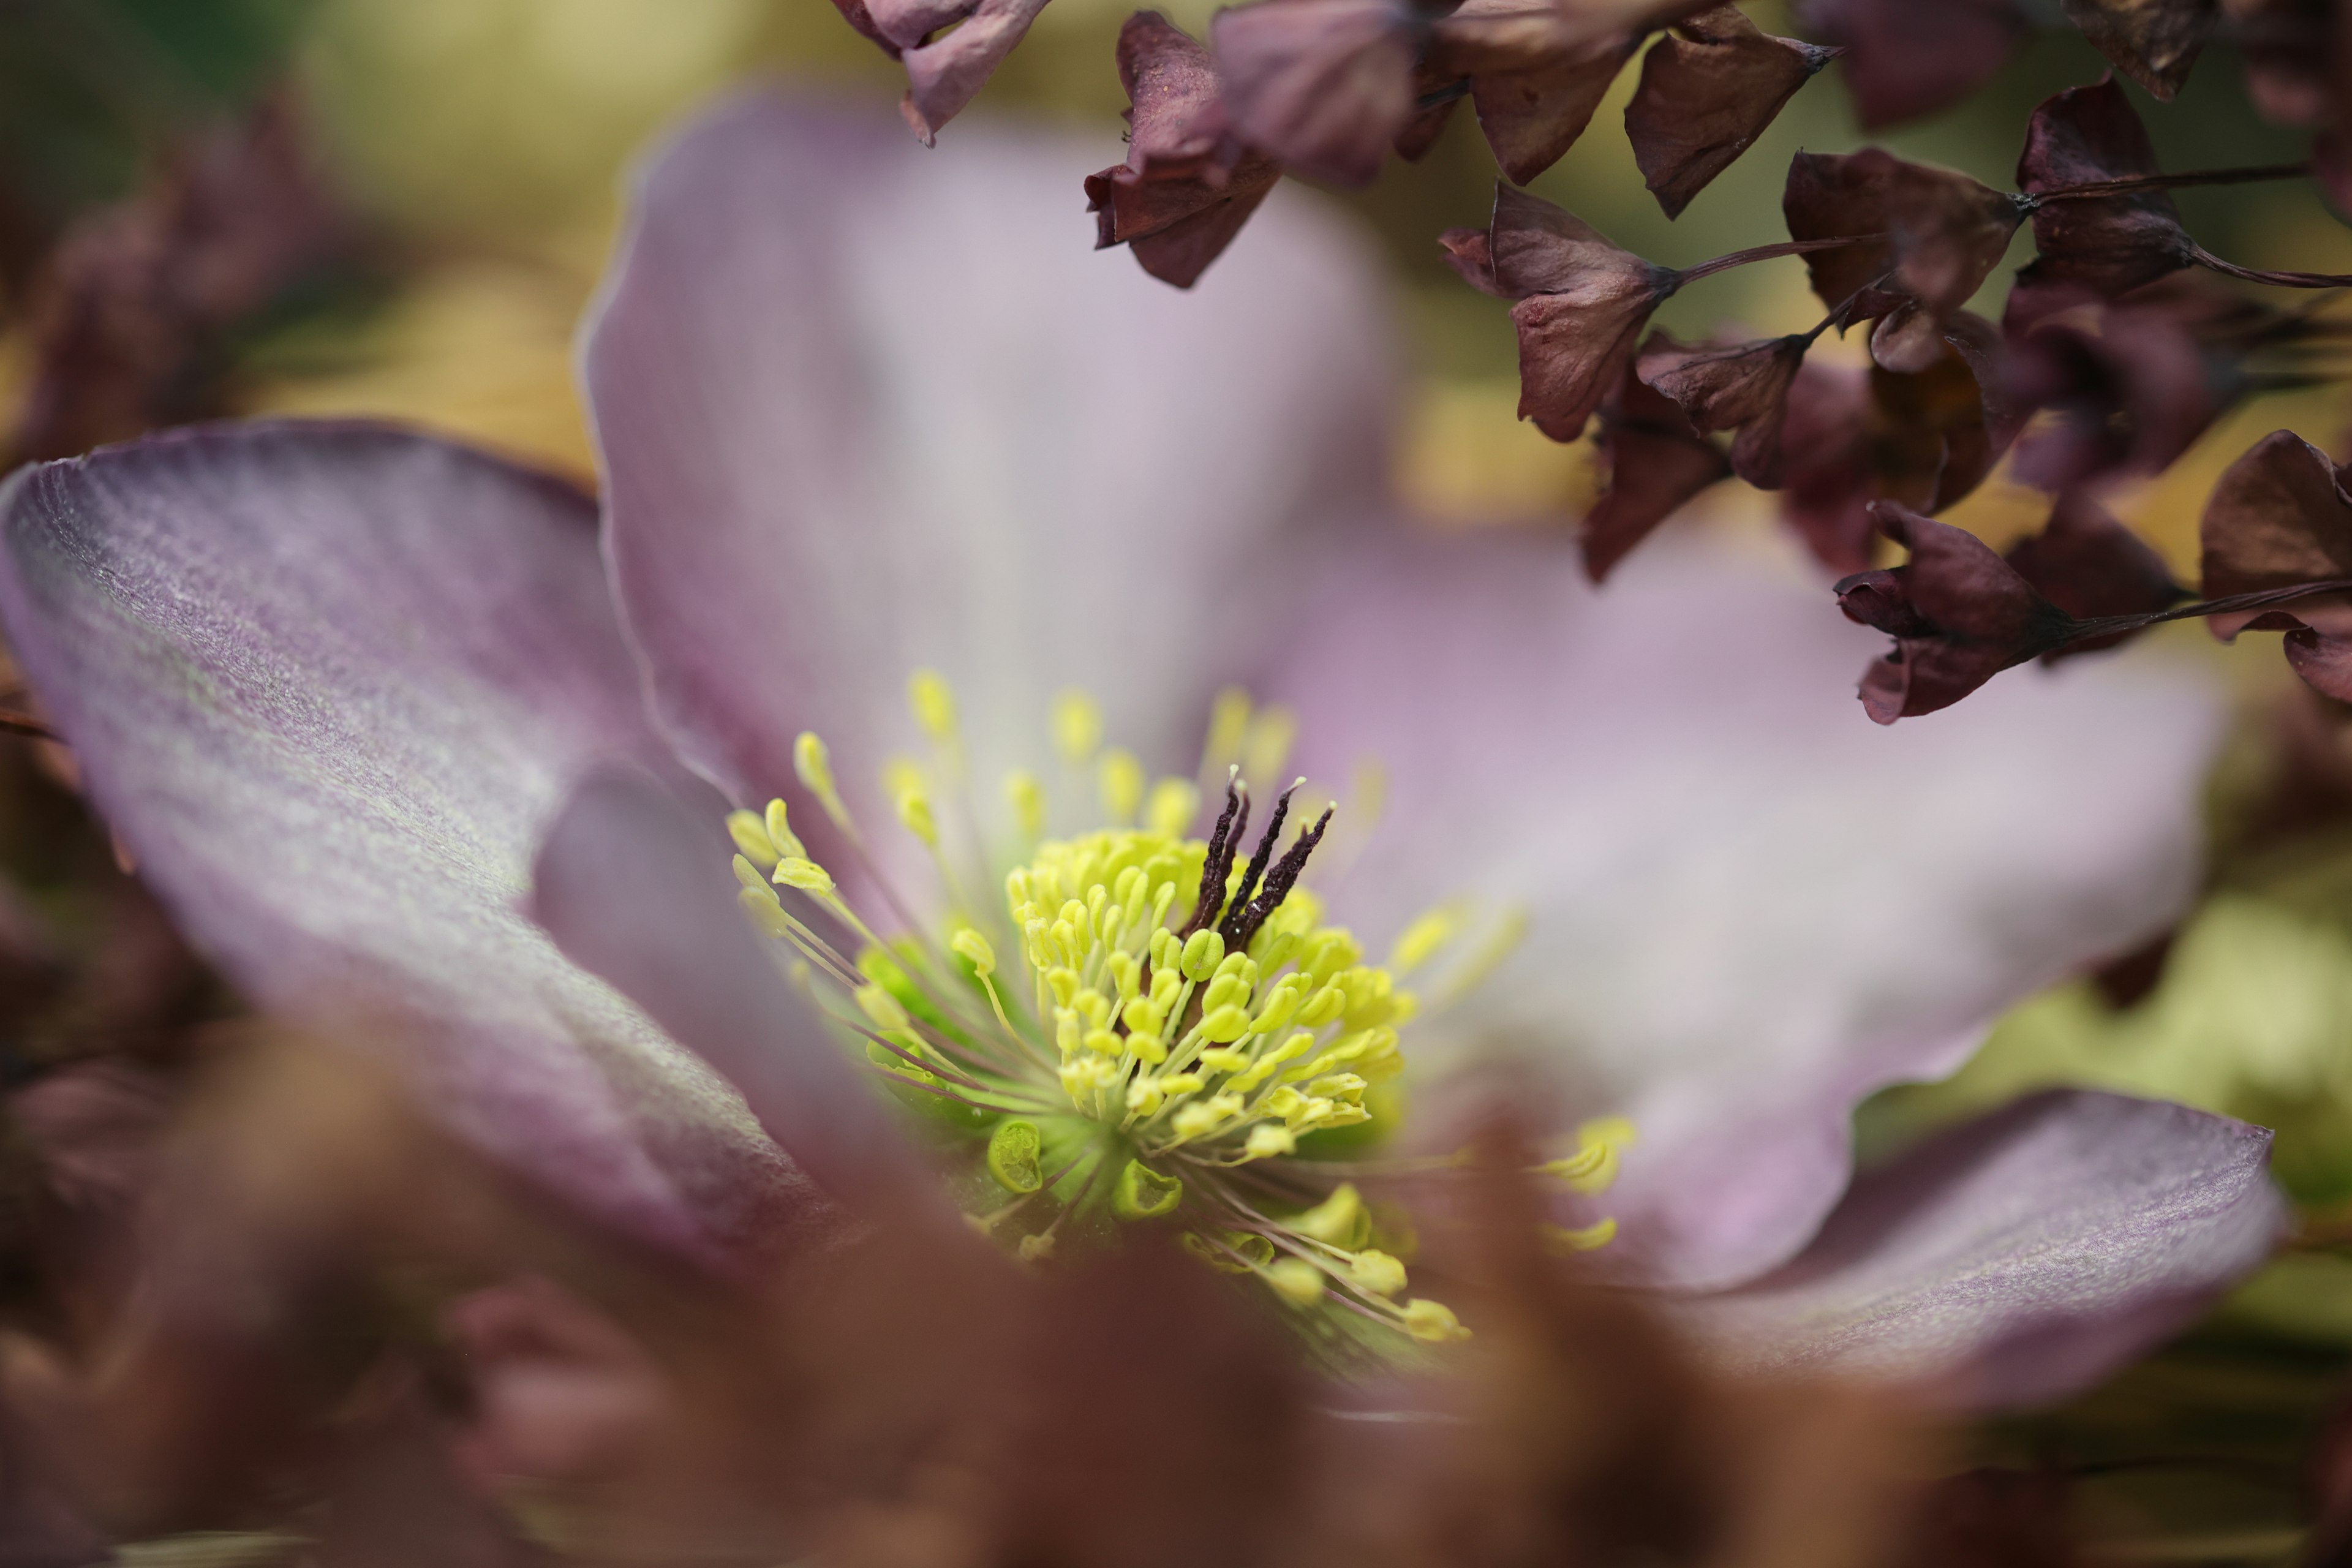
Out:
{"x": 886, "y": 463}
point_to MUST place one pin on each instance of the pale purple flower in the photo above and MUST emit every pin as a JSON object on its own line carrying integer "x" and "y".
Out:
{"x": 862, "y": 410}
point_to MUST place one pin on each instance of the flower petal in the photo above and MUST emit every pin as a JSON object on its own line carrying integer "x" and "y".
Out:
{"x": 327, "y": 682}
{"x": 1749, "y": 908}
{"x": 864, "y": 408}
{"x": 2020, "y": 1258}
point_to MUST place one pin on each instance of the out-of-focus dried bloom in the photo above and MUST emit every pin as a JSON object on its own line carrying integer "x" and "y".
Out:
{"x": 2154, "y": 42}
{"x": 1533, "y": 77}
{"x": 1943, "y": 234}
{"x": 1188, "y": 184}
{"x": 2290, "y": 50}
{"x": 2280, "y": 520}
{"x": 950, "y": 48}
{"x": 1959, "y": 615}
{"x": 1737, "y": 386}
{"x": 1903, "y": 60}
{"x": 2090, "y": 565}
{"x": 127, "y": 318}
{"x": 1656, "y": 462}
{"x": 2130, "y": 386}
{"x": 1324, "y": 85}
{"x": 1708, "y": 89}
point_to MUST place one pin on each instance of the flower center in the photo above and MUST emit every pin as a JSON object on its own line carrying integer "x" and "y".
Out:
{"x": 1181, "y": 1018}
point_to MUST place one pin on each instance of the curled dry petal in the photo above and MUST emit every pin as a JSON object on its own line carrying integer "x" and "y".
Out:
{"x": 1959, "y": 615}
{"x": 2280, "y": 516}
{"x": 1708, "y": 89}
{"x": 1656, "y": 462}
{"x": 1903, "y": 60}
{"x": 2089, "y": 565}
{"x": 1323, "y": 85}
{"x": 1534, "y": 85}
{"x": 2154, "y": 42}
{"x": 1979, "y": 1260}
{"x": 1828, "y": 478}
{"x": 944, "y": 74}
{"x": 1945, "y": 234}
{"x": 2109, "y": 245}
{"x": 1188, "y": 184}
{"x": 1742, "y": 386}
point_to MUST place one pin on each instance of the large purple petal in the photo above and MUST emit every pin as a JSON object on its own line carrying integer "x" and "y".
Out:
{"x": 1749, "y": 909}
{"x": 2020, "y": 1258}
{"x": 328, "y": 682}
{"x": 862, "y": 409}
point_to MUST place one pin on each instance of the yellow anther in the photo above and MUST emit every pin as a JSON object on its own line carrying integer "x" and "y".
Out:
{"x": 933, "y": 705}
{"x": 1337, "y": 1086}
{"x": 806, "y": 875}
{"x": 1296, "y": 1282}
{"x": 1420, "y": 941}
{"x": 1204, "y": 951}
{"x": 751, "y": 839}
{"x": 1144, "y": 1096}
{"x": 1177, "y": 1083}
{"x": 1222, "y": 1060}
{"x": 751, "y": 876}
{"x": 1104, "y": 1043}
{"x": 1062, "y": 983}
{"x": 1173, "y": 805}
{"x": 1377, "y": 1272}
{"x": 813, "y": 767}
{"x": 1267, "y": 1141}
{"x": 1142, "y": 1193}
{"x": 1271, "y": 731}
{"x": 1225, "y": 1025}
{"x": 1027, "y": 798}
{"x": 1433, "y": 1323}
{"x": 1324, "y": 1007}
{"x": 884, "y": 1010}
{"x": 1589, "y": 1238}
{"x": 1231, "y": 1251}
{"x": 1341, "y": 1219}
{"x": 1036, "y": 1248}
{"x": 1119, "y": 780}
{"x": 1281, "y": 1004}
{"x": 1126, "y": 973}
{"x": 914, "y": 808}
{"x": 1616, "y": 1131}
{"x": 761, "y": 904}
{"x": 1148, "y": 1045}
{"x": 1229, "y": 718}
{"x": 1193, "y": 1120}
{"x": 1078, "y": 727}
{"x": 777, "y": 819}
{"x": 1142, "y": 1016}
{"x": 1166, "y": 982}
{"x": 974, "y": 948}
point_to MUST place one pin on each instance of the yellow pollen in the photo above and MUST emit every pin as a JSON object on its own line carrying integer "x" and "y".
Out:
{"x": 933, "y": 704}
{"x": 1078, "y": 727}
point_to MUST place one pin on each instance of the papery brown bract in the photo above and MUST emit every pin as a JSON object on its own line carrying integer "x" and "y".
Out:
{"x": 1945, "y": 234}
{"x": 2154, "y": 42}
{"x": 2131, "y": 385}
{"x": 950, "y": 48}
{"x": 1708, "y": 89}
{"x": 1959, "y": 615}
{"x": 2108, "y": 245}
{"x": 1828, "y": 483}
{"x": 1738, "y": 386}
{"x": 1941, "y": 430}
{"x": 1905, "y": 60}
{"x": 1582, "y": 301}
{"x": 1187, "y": 185}
{"x": 2278, "y": 517}
{"x": 1531, "y": 74}
{"x": 1656, "y": 460}
{"x": 1323, "y": 85}
{"x": 2089, "y": 565}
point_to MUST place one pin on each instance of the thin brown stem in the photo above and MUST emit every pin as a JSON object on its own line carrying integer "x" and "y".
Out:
{"x": 2096, "y": 188}
{"x": 2207, "y": 259}
{"x": 1766, "y": 253}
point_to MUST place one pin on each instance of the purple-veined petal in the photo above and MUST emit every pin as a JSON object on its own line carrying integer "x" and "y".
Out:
{"x": 864, "y": 408}
{"x": 634, "y": 888}
{"x": 328, "y": 682}
{"x": 1748, "y": 907}
{"x": 2019, "y": 1257}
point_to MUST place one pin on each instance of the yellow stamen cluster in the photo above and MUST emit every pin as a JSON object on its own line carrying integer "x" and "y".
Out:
{"x": 1178, "y": 1042}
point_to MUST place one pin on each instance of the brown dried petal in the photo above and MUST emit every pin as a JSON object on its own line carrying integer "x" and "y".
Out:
{"x": 1324, "y": 86}
{"x": 1958, "y": 613}
{"x": 2131, "y": 388}
{"x": 1829, "y": 481}
{"x": 2110, "y": 244}
{"x": 2089, "y": 565}
{"x": 1533, "y": 116}
{"x": 1946, "y": 232}
{"x": 943, "y": 75}
{"x": 1656, "y": 462}
{"x": 1540, "y": 248}
{"x": 1582, "y": 302}
{"x": 1706, "y": 94}
{"x": 1471, "y": 253}
{"x": 2154, "y": 42}
{"x": 2277, "y": 517}
{"x": 1742, "y": 387}
{"x": 1187, "y": 185}
{"x": 1906, "y": 58}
